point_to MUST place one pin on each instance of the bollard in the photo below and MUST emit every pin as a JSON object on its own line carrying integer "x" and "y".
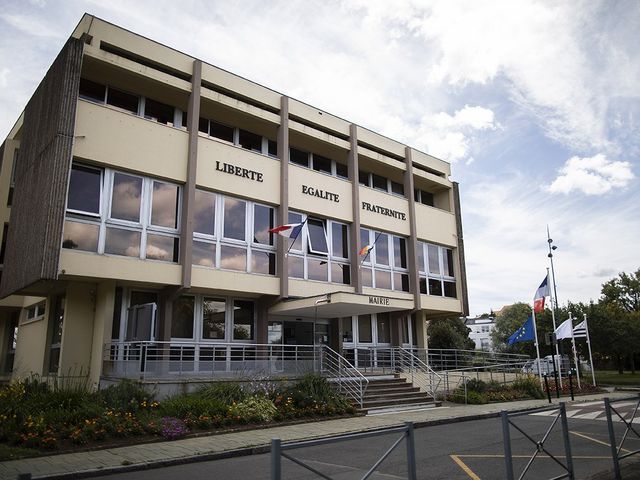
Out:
{"x": 546, "y": 385}
{"x": 571, "y": 384}
{"x": 506, "y": 438}
{"x": 276, "y": 466}
{"x": 411, "y": 452}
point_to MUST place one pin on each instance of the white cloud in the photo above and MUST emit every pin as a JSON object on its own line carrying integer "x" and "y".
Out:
{"x": 32, "y": 26}
{"x": 593, "y": 175}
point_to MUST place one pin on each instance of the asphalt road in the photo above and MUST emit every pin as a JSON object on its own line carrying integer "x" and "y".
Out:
{"x": 465, "y": 450}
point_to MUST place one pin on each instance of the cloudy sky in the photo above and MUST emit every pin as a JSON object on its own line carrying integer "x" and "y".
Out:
{"x": 535, "y": 103}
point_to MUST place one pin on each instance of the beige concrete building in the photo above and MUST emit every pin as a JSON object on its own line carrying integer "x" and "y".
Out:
{"x": 138, "y": 189}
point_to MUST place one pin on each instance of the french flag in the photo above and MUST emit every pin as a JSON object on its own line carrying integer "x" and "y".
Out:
{"x": 541, "y": 293}
{"x": 290, "y": 230}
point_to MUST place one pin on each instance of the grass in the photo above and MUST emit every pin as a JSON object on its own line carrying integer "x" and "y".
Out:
{"x": 614, "y": 378}
{"x": 8, "y": 452}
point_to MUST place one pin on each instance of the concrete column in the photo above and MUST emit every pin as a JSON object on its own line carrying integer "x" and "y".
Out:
{"x": 461, "y": 281}
{"x": 32, "y": 344}
{"x": 77, "y": 329}
{"x": 412, "y": 247}
{"x": 335, "y": 334}
{"x": 421, "y": 330}
{"x": 262, "y": 330}
{"x": 102, "y": 323}
{"x": 189, "y": 194}
{"x": 356, "y": 241}
{"x": 283, "y": 211}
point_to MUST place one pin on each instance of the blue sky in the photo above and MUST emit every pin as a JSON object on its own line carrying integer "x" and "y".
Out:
{"x": 536, "y": 105}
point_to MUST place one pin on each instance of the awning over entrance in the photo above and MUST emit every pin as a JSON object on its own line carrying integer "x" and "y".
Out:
{"x": 339, "y": 304}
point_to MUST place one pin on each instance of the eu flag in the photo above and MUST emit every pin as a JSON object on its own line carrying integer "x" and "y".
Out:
{"x": 524, "y": 334}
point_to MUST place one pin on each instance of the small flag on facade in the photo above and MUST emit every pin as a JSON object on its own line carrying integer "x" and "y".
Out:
{"x": 291, "y": 230}
{"x": 580, "y": 330}
{"x": 564, "y": 330}
{"x": 541, "y": 293}
{"x": 364, "y": 250}
{"x": 525, "y": 333}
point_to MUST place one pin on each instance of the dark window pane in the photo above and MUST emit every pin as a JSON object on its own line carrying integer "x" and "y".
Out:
{"x": 317, "y": 236}
{"x": 243, "y": 320}
{"x": 384, "y": 327}
{"x": 423, "y": 285}
{"x": 321, "y": 164}
{"x": 416, "y": 194}
{"x": 383, "y": 279}
{"x": 250, "y": 141}
{"x": 435, "y": 287}
{"x": 142, "y": 298}
{"x": 80, "y": 236}
{"x": 92, "y": 91}
{"x": 340, "y": 273}
{"x": 317, "y": 269}
{"x": 203, "y": 125}
{"x": 204, "y": 254}
{"x": 117, "y": 314}
{"x": 401, "y": 282}
{"x": 363, "y": 178}
{"x": 263, "y": 262}
{"x": 364, "y": 329}
{"x": 122, "y": 242}
{"x": 434, "y": 262}
{"x": 213, "y": 318}
{"x": 164, "y": 205}
{"x": 235, "y": 213}
{"x": 399, "y": 252}
{"x": 233, "y": 258}
{"x": 182, "y": 318}
{"x": 204, "y": 212}
{"x": 223, "y": 132}
{"x": 397, "y": 188}
{"x": 346, "y": 327}
{"x": 381, "y": 249}
{"x": 123, "y": 100}
{"x": 427, "y": 198}
{"x": 339, "y": 240}
{"x": 158, "y": 111}
{"x": 262, "y": 222}
{"x": 299, "y": 157}
{"x": 161, "y": 247}
{"x": 297, "y": 242}
{"x": 447, "y": 262}
{"x": 3, "y": 248}
{"x": 450, "y": 289}
{"x": 341, "y": 170}
{"x": 296, "y": 267}
{"x": 273, "y": 148}
{"x": 84, "y": 189}
{"x": 379, "y": 182}
{"x": 125, "y": 199}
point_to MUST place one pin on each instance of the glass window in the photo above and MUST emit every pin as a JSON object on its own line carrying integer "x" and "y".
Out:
{"x": 421, "y": 265}
{"x": 382, "y": 249}
{"x": 3, "y": 247}
{"x": 204, "y": 254}
{"x": 399, "y": 252}
{"x": 342, "y": 170}
{"x": 299, "y": 157}
{"x": 384, "y": 327}
{"x": 84, "y": 189}
{"x": 297, "y": 242}
{"x": 235, "y": 213}
{"x": 367, "y": 278}
{"x": 204, "y": 212}
{"x": 346, "y": 327}
{"x": 434, "y": 262}
{"x": 275, "y": 333}
{"x": 317, "y": 269}
{"x": 162, "y": 247}
{"x": 203, "y": 125}
{"x": 296, "y": 267}
{"x": 447, "y": 262}
{"x": 383, "y": 279}
{"x": 123, "y": 100}
{"x": 435, "y": 287}
{"x": 339, "y": 240}
{"x": 92, "y": 91}
{"x": 405, "y": 329}
{"x": 364, "y": 329}
{"x": 182, "y": 317}
{"x": 223, "y": 132}
{"x": 379, "y": 183}
{"x": 233, "y": 258}
{"x": 262, "y": 222}
{"x": 426, "y": 198}
{"x": 401, "y": 282}
{"x": 126, "y": 197}
{"x": 213, "y": 318}
{"x": 164, "y": 205}
{"x": 263, "y": 262}
{"x": 450, "y": 289}
{"x": 158, "y": 111}
{"x": 397, "y": 188}
{"x": 250, "y": 141}
{"x": 243, "y": 320}
{"x": 340, "y": 273}
{"x": 122, "y": 242}
{"x": 317, "y": 236}
{"x": 363, "y": 178}
{"x": 423, "y": 285}
{"x": 80, "y": 236}
{"x": 272, "y": 148}
{"x": 321, "y": 164}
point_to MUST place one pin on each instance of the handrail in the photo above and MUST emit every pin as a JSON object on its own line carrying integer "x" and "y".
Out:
{"x": 350, "y": 380}
{"x": 430, "y": 380}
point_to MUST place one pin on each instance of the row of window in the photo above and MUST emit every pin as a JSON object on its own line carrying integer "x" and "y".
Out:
{"x": 435, "y": 270}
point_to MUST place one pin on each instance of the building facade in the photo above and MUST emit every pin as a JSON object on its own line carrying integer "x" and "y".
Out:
{"x": 140, "y": 187}
{"x": 481, "y": 328}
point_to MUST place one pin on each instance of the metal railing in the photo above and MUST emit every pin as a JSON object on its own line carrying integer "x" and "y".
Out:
{"x": 278, "y": 451}
{"x": 349, "y": 380}
{"x": 450, "y": 359}
{"x": 616, "y": 450}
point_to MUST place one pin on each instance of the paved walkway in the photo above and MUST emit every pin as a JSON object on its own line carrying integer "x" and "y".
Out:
{"x": 136, "y": 457}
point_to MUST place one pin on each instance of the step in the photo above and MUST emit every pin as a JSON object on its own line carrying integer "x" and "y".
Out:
{"x": 382, "y": 391}
{"x": 407, "y": 401}
{"x": 402, "y": 408}
{"x": 394, "y": 396}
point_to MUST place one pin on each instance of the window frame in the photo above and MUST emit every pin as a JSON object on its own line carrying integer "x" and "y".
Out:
{"x": 426, "y": 275}
{"x": 373, "y": 265}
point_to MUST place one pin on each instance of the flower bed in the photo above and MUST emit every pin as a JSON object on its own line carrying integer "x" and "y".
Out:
{"x": 36, "y": 416}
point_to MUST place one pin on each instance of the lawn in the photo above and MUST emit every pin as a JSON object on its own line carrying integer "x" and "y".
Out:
{"x": 609, "y": 377}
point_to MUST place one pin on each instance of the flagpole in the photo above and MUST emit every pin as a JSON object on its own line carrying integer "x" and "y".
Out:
{"x": 535, "y": 333}
{"x": 575, "y": 352}
{"x": 296, "y": 237}
{"x": 553, "y": 319}
{"x": 369, "y": 251}
{"x": 593, "y": 370}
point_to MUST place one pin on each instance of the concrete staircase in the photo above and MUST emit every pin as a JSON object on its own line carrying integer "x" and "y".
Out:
{"x": 390, "y": 392}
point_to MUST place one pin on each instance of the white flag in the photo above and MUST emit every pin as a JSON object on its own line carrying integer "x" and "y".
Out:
{"x": 580, "y": 330}
{"x": 564, "y": 330}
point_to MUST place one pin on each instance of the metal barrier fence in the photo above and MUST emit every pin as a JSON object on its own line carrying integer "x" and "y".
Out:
{"x": 539, "y": 444}
{"x": 616, "y": 450}
{"x": 278, "y": 451}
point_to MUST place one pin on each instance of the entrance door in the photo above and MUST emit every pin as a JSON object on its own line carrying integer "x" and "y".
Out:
{"x": 298, "y": 333}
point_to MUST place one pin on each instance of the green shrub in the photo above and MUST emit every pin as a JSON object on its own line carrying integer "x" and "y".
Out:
{"x": 187, "y": 407}
{"x": 253, "y": 409}
{"x": 476, "y": 385}
{"x": 476, "y": 398}
{"x": 529, "y": 384}
{"x": 224, "y": 392}
{"x": 126, "y": 396}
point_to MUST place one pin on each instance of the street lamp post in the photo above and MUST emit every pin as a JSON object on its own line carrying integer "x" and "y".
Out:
{"x": 554, "y": 298}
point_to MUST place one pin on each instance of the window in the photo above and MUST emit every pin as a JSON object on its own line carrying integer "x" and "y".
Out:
{"x": 250, "y": 141}
{"x": 137, "y": 217}
{"x": 92, "y": 91}
{"x": 238, "y": 136}
{"x": 299, "y": 157}
{"x": 11, "y": 337}
{"x": 321, "y": 250}
{"x": 385, "y": 266}
{"x": 243, "y": 320}
{"x": 12, "y": 181}
{"x": 378, "y": 182}
{"x": 233, "y": 234}
{"x": 423, "y": 197}
{"x": 436, "y": 270}
{"x": 182, "y": 317}
{"x": 123, "y": 100}
{"x": 158, "y": 112}
{"x": 55, "y": 333}
{"x": 318, "y": 163}
{"x": 36, "y": 312}
{"x": 213, "y": 318}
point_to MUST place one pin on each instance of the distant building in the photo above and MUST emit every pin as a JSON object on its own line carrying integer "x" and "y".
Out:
{"x": 481, "y": 328}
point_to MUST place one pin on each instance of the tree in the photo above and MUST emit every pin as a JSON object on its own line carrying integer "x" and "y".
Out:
{"x": 510, "y": 319}
{"x": 624, "y": 291}
{"x": 449, "y": 333}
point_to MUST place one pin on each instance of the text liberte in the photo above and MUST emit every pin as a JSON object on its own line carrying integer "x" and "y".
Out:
{"x": 239, "y": 171}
